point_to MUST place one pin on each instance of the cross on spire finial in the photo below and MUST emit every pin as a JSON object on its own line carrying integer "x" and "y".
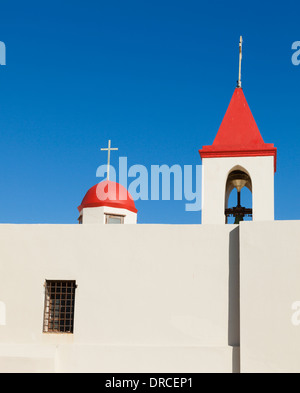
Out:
{"x": 108, "y": 149}
{"x": 240, "y": 66}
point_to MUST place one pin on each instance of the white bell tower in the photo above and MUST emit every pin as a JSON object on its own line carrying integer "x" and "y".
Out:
{"x": 238, "y": 158}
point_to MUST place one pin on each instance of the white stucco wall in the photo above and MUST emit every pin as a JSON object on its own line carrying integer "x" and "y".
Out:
{"x": 215, "y": 172}
{"x": 270, "y": 292}
{"x": 150, "y": 298}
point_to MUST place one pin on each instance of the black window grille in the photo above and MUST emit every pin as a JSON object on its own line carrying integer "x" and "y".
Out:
{"x": 59, "y": 306}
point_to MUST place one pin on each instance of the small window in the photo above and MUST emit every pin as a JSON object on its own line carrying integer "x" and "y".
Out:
{"x": 114, "y": 219}
{"x": 59, "y": 306}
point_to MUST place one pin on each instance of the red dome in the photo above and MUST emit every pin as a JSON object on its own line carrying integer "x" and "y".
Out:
{"x": 110, "y": 194}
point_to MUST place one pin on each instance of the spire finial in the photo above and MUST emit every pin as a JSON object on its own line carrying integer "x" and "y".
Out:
{"x": 240, "y": 66}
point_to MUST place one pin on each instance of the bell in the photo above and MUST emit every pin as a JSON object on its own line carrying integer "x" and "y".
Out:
{"x": 238, "y": 179}
{"x": 239, "y": 184}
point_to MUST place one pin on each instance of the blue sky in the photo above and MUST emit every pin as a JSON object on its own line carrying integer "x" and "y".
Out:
{"x": 155, "y": 77}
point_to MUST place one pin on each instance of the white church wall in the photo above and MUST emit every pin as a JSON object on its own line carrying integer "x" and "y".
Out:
{"x": 270, "y": 292}
{"x": 147, "y": 359}
{"x": 214, "y": 178}
{"x": 149, "y": 298}
{"x": 27, "y": 358}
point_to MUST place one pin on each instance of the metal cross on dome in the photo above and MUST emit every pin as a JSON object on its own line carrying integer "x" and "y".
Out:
{"x": 108, "y": 149}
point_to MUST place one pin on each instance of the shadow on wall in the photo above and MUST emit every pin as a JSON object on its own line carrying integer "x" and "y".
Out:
{"x": 234, "y": 297}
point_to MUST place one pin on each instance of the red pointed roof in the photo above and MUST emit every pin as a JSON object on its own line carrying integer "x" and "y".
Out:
{"x": 238, "y": 135}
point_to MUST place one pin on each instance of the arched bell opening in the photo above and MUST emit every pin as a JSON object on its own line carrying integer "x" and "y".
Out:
{"x": 238, "y": 195}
